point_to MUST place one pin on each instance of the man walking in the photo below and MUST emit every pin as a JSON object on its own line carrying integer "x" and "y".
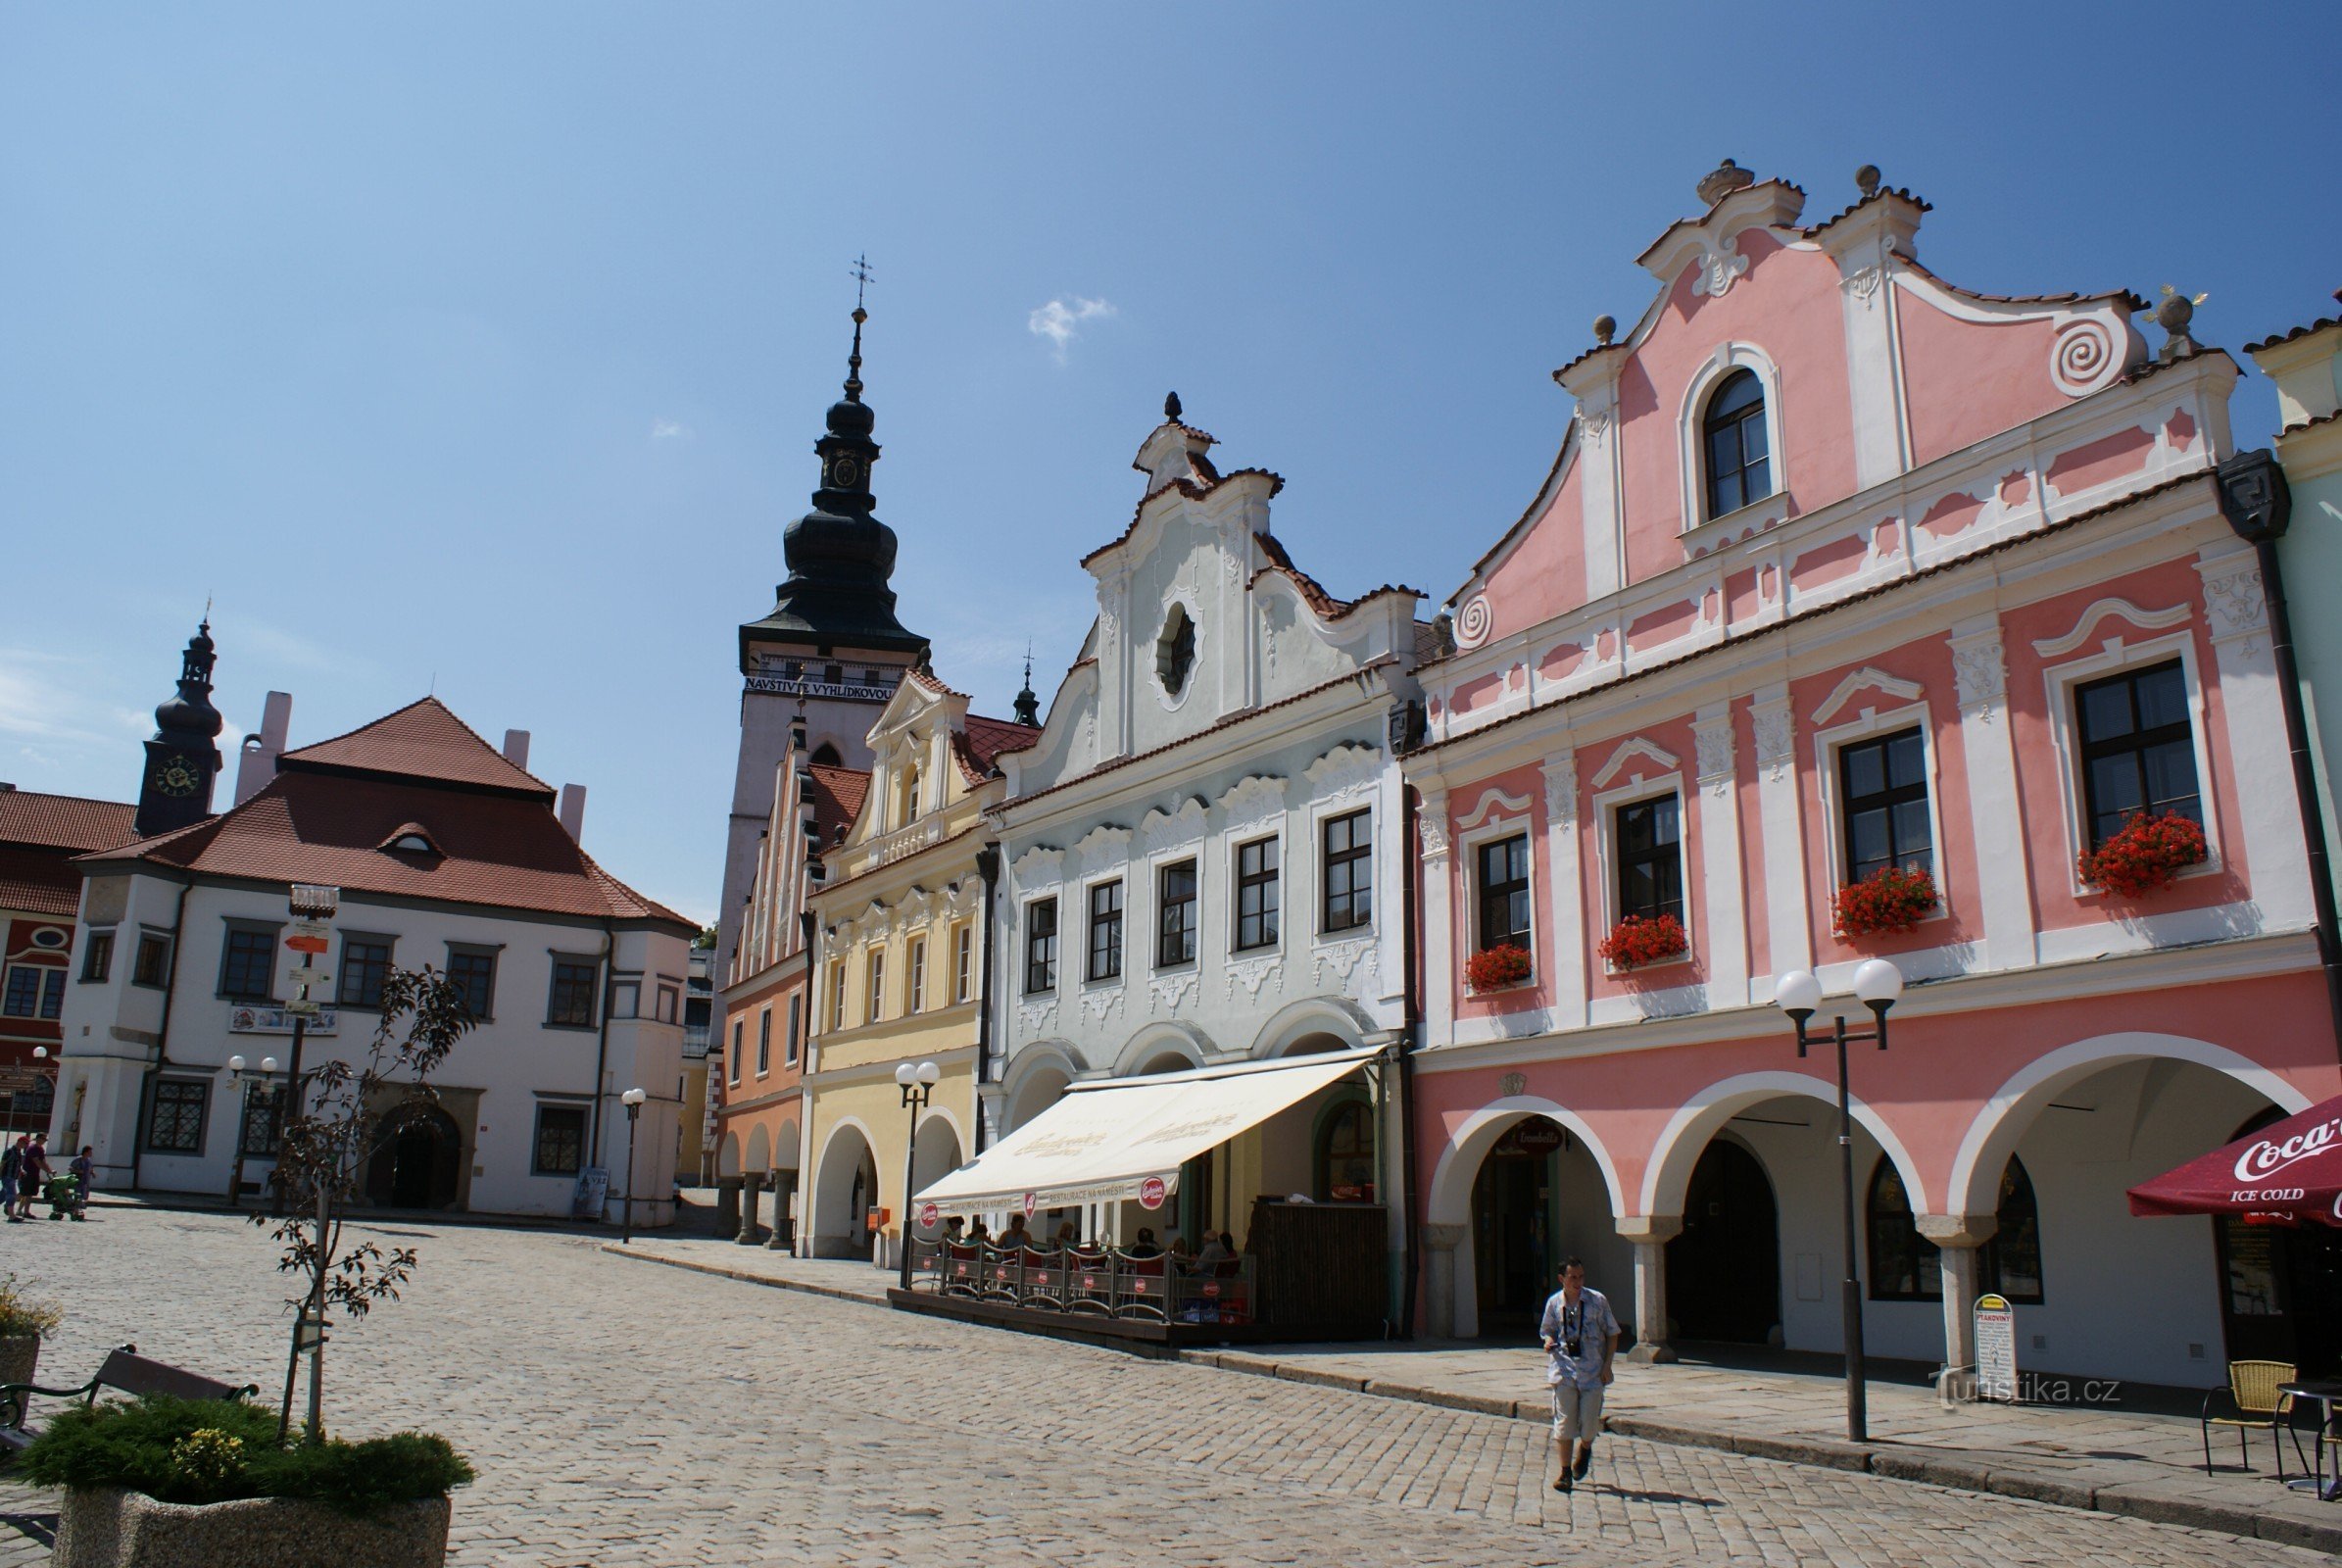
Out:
{"x": 1581, "y": 1335}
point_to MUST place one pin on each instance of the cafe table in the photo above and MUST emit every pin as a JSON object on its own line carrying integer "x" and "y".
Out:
{"x": 2327, "y": 1394}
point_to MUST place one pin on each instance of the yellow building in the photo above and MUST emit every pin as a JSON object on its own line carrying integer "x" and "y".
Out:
{"x": 899, "y": 968}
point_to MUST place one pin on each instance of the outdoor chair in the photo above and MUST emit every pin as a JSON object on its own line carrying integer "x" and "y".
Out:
{"x": 2250, "y": 1402}
{"x": 1143, "y": 1294}
{"x": 1090, "y": 1283}
{"x": 960, "y": 1269}
{"x": 1044, "y": 1282}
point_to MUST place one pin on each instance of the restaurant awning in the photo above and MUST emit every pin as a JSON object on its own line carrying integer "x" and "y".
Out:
{"x": 2287, "y": 1173}
{"x": 1107, "y": 1141}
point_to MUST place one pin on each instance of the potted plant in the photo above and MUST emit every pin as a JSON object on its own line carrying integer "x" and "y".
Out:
{"x": 2144, "y": 855}
{"x": 23, "y": 1324}
{"x": 1888, "y": 901}
{"x": 1638, "y": 940}
{"x": 166, "y": 1481}
{"x": 1494, "y": 968}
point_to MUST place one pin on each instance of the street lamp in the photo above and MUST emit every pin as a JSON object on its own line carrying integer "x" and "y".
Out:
{"x": 632, "y": 1099}
{"x": 237, "y": 1067}
{"x": 1877, "y": 984}
{"x": 917, "y": 1083}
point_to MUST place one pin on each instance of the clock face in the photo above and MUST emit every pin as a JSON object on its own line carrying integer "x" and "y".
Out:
{"x": 177, "y": 777}
{"x": 845, "y": 473}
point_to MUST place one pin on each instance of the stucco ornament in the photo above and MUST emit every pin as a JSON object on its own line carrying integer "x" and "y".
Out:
{"x": 1513, "y": 1083}
{"x": 1166, "y": 993}
{"x": 1347, "y": 962}
{"x": 1714, "y": 742}
{"x": 1435, "y": 836}
{"x": 1981, "y": 674}
{"x": 1037, "y": 1016}
{"x": 1254, "y": 975}
{"x": 1475, "y": 622}
{"x": 1776, "y": 736}
{"x": 1561, "y": 791}
{"x": 1100, "y": 1005}
{"x": 1719, "y": 266}
{"x": 2084, "y": 356}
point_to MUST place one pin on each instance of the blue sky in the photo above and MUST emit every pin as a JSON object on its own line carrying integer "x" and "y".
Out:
{"x": 481, "y": 348}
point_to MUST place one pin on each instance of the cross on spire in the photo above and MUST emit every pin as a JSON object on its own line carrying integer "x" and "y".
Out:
{"x": 861, "y": 278}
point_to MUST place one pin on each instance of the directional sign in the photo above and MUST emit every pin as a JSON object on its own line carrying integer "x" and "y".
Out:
{"x": 307, "y": 944}
{"x": 310, "y": 928}
{"x": 306, "y": 976}
{"x": 301, "y": 1007}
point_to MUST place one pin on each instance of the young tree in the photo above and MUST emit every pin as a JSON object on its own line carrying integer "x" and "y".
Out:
{"x": 337, "y": 1123}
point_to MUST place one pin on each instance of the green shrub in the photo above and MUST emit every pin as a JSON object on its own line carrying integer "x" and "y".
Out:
{"x": 21, "y": 1315}
{"x": 215, "y": 1450}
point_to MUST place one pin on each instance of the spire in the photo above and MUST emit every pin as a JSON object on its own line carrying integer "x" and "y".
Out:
{"x": 1028, "y": 706}
{"x": 182, "y": 759}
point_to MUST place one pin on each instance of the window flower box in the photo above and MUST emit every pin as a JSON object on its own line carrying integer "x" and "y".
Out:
{"x": 1497, "y": 968}
{"x": 2146, "y": 854}
{"x": 1890, "y": 902}
{"x": 1637, "y": 940}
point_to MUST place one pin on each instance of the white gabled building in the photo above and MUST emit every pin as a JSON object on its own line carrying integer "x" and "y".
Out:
{"x": 447, "y": 854}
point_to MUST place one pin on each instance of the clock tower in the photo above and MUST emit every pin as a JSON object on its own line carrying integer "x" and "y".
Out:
{"x": 183, "y": 758}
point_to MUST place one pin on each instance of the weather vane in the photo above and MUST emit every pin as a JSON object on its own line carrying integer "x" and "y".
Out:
{"x": 861, "y": 278}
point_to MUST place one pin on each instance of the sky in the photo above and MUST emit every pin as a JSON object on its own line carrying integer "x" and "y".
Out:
{"x": 479, "y": 350}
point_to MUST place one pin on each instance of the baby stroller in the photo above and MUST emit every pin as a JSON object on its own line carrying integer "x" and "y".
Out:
{"x": 64, "y": 1195}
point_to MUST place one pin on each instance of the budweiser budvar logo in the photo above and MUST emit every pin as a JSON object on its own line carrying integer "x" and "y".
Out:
{"x": 2266, "y": 1159}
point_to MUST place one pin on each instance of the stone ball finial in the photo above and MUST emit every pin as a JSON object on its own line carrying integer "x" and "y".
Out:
{"x": 1866, "y": 179}
{"x": 1605, "y": 328}
{"x": 1171, "y": 407}
{"x": 2172, "y": 314}
{"x": 1721, "y": 181}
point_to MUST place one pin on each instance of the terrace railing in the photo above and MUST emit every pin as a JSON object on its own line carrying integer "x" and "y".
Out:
{"x": 1100, "y": 1282}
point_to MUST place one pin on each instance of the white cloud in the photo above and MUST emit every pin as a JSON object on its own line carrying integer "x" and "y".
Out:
{"x": 1060, "y": 321}
{"x": 668, "y": 429}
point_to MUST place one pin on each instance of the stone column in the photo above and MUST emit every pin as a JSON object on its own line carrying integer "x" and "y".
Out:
{"x": 1651, "y": 1234}
{"x": 782, "y": 1191}
{"x": 1440, "y": 1242}
{"x": 1957, "y": 1238}
{"x": 750, "y": 1186}
{"x": 727, "y": 1204}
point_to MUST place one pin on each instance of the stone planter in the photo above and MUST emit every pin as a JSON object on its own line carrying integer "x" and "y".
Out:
{"x": 108, "y": 1528}
{"x": 20, "y": 1353}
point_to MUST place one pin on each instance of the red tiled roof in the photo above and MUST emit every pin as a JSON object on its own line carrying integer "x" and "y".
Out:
{"x": 987, "y": 738}
{"x": 2293, "y": 332}
{"x": 65, "y": 821}
{"x": 39, "y": 881}
{"x": 421, "y": 741}
{"x": 837, "y": 796}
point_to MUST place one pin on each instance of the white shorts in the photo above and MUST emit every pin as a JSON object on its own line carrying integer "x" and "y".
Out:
{"x": 1576, "y": 1412}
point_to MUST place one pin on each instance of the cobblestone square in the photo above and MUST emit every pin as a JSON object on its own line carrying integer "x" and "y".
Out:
{"x": 625, "y": 1413}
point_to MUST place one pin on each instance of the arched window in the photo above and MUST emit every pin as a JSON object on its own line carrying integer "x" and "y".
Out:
{"x": 1733, "y": 442}
{"x": 1175, "y": 651}
{"x": 2012, "y": 1261}
{"x": 1904, "y": 1265}
{"x": 1345, "y": 1154}
{"x": 826, "y": 755}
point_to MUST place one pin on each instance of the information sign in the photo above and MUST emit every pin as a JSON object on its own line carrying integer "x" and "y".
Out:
{"x": 1996, "y": 1349}
{"x": 593, "y": 1190}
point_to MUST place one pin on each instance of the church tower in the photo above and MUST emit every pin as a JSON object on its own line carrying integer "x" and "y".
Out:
{"x": 183, "y": 758}
{"x": 830, "y": 653}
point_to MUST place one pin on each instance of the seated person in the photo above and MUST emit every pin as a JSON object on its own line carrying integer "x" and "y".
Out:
{"x": 1065, "y": 1240}
{"x": 1144, "y": 1245}
{"x": 1017, "y": 1236}
{"x": 1214, "y": 1251}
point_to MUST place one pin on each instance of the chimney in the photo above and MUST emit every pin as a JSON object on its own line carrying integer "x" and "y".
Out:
{"x": 257, "y": 764}
{"x": 572, "y": 811}
{"x": 516, "y": 748}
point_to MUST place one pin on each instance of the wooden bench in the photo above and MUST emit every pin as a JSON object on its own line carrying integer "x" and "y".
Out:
{"x": 125, "y": 1371}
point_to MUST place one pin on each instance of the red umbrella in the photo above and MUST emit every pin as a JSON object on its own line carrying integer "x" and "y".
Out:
{"x": 2288, "y": 1172}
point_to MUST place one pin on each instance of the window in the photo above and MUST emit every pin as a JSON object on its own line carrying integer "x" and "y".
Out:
{"x": 1504, "y": 893}
{"x": 1106, "y": 932}
{"x": 263, "y": 1134}
{"x": 34, "y": 992}
{"x": 795, "y": 1000}
{"x": 764, "y": 1042}
{"x": 670, "y": 1002}
{"x": 2012, "y": 1261}
{"x": 1040, "y": 945}
{"x": 152, "y": 966}
{"x": 560, "y": 1140}
{"x": 1905, "y": 1266}
{"x": 837, "y": 996}
{"x": 176, "y": 1125}
{"x": 1650, "y": 858}
{"x": 2138, "y": 749}
{"x": 963, "y": 963}
{"x": 874, "y": 999}
{"x": 625, "y": 998}
{"x": 1256, "y": 893}
{"x": 1733, "y": 439}
{"x": 97, "y": 961}
{"x": 366, "y": 966}
{"x": 1345, "y": 1154}
{"x": 916, "y": 998}
{"x": 1175, "y": 926}
{"x": 738, "y": 1032}
{"x": 1885, "y": 787}
{"x": 247, "y": 962}
{"x": 473, "y": 972}
{"x": 572, "y": 1001}
{"x": 1348, "y": 876}
{"x": 1175, "y": 651}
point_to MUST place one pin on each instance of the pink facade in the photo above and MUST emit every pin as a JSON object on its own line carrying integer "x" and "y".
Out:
{"x": 1957, "y": 599}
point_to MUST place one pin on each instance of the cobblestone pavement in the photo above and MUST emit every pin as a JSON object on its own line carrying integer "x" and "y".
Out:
{"x": 624, "y": 1414}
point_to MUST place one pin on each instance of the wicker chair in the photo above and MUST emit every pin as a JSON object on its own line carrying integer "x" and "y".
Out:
{"x": 2252, "y": 1402}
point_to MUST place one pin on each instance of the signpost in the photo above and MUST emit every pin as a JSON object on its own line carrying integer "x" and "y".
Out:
{"x": 1996, "y": 1349}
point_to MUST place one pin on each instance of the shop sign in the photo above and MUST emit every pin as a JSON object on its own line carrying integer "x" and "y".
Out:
{"x": 1032, "y": 1203}
{"x": 1536, "y": 1136}
{"x": 1151, "y": 1194}
{"x": 929, "y": 1214}
{"x": 1996, "y": 1349}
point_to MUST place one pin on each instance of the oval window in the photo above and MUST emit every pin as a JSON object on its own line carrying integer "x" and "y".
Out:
{"x": 1175, "y": 651}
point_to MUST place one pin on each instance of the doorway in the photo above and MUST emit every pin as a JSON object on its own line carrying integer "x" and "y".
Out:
{"x": 418, "y": 1160}
{"x": 2280, "y": 1287}
{"x": 1512, "y": 1228}
{"x": 1724, "y": 1271}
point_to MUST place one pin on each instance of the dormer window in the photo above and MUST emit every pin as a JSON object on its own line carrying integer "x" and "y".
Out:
{"x": 412, "y": 838}
{"x": 1175, "y": 651}
{"x": 1739, "y": 470}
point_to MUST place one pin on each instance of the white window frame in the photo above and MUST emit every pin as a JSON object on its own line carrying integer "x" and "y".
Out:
{"x": 1192, "y": 849}
{"x": 963, "y": 961}
{"x": 874, "y": 982}
{"x": 915, "y": 975}
{"x": 627, "y": 997}
{"x": 836, "y": 1000}
{"x": 1497, "y": 819}
{"x": 796, "y": 1043}
{"x": 1234, "y": 842}
{"x": 1320, "y": 814}
{"x": 1873, "y": 724}
{"x": 1606, "y": 805}
{"x": 1108, "y": 982}
{"x": 2116, "y": 655}
{"x": 1691, "y": 418}
{"x": 764, "y": 1041}
{"x": 1024, "y": 942}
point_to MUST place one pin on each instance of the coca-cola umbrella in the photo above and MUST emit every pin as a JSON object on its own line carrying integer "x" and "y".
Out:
{"x": 2287, "y": 1173}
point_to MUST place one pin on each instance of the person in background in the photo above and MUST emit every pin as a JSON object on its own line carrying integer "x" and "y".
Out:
{"x": 32, "y": 1172}
{"x": 1016, "y": 1236}
{"x": 980, "y": 1233}
{"x": 1144, "y": 1245}
{"x": 1181, "y": 1258}
{"x": 1214, "y": 1251}
{"x": 1067, "y": 1238}
{"x": 12, "y": 1170}
{"x": 1581, "y": 1336}
{"x": 85, "y": 1173}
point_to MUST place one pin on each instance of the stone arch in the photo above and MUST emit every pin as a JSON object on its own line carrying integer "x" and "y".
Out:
{"x": 759, "y": 1158}
{"x": 1992, "y": 1137}
{"x": 785, "y": 1150}
{"x": 1147, "y": 1048}
{"x": 1037, "y": 1078}
{"x": 1313, "y": 1016}
{"x": 940, "y": 1151}
{"x": 727, "y": 1155}
{"x": 838, "y": 1202}
{"x": 1450, "y": 1200}
{"x": 1680, "y": 1144}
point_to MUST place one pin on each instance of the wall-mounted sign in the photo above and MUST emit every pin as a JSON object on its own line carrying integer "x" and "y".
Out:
{"x": 1996, "y": 1349}
{"x": 243, "y": 1020}
{"x": 1151, "y": 1193}
{"x": 834, "y": 691}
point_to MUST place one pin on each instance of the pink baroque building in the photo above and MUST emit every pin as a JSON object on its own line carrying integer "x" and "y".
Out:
{"x": 1845, "y": 577}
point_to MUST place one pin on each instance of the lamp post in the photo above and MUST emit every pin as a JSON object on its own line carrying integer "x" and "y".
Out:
{"x": 917, "y": 1083}
{"x": 1877, "y": 983}
{"x": 235, "y": 1073}
{"x": 632, "y": 1099}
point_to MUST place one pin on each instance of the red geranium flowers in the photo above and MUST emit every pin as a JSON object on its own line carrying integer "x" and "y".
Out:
{"x": 1888, "y": 901}
{"x": 2144, "y": 855}
{"x": 1638, "y": 940}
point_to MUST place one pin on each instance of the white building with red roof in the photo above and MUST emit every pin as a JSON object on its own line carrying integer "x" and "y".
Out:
{"x": 447, "y": 854}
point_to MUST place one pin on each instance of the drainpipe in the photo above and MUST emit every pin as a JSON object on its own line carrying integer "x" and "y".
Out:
{"x": 987, "y": 866}
{"x": 1410, "y": 1036}
{"x": 2259, "y": 504}
{"x": 171, "y": 996}
{"x": 610, "y": 948}
{"x": 810, "y": 941}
